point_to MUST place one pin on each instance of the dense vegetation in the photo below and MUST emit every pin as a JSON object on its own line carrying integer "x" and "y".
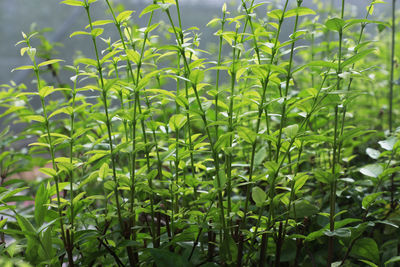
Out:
{"x": 266, "y": 150}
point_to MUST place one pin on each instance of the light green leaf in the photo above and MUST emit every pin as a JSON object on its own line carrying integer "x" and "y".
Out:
{"x": 373, "y": 153}
{"x": 125, "y": 15}
{"x": 291, "y": 131}
{"x": 259, "y": 196}
{"x": 149, "y": 8}
{"x": 103, "y": 172}
{"x": 73, "y": 3}
{"x": 48, "y": 171}
{"x": 335, "y": 24}
{"x": 49, "y": 62}
{"x": 299, "y": 11}
{"x": 79, "y": 33}
{"x": 357, "y": 57}
{"x": 26, "y": 67}
{"x": 247, "y": 134}
{"x": 196, "y": 76}
{"x": 177, "y": 121}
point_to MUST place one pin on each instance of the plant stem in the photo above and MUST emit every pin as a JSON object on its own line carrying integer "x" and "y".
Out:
{"x": 335, "y": 159}
{"x": 108, "y": 121}
{"x": 392, "y": 61}
{"x": 264, "y": 83}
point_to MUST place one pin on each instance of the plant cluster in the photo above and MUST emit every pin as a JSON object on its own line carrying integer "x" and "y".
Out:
{"x": 271, "y": 150}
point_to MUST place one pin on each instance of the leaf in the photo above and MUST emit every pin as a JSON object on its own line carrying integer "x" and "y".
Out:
{"x": 299, "y": 11}
{"x": 335, "y": 24}
{"x": 42, "y": 198}
{"x": 26, "y": 67}
{"x": 391, "y": 260}
{"x": 177, "y": 121}
{"x": 79, "y": 33}
{"x": 124, "y": 16}
{"x": 3, "y": 222}
{"x": 372, "y": 170}
{"x": 103, "y": 172}
{"x": 133, "y": 55}
{"x": 373, "y": 153}
{"x": 291, "y": 131}
{"x": 49, "y": 62}
{"x": 99, "y": 23}
{"x": 73, "y": 3}
{"x": 259, "y": 196}
{"x": 247, "y": 134}
{"x": 35, "y": 118}
{"x": 223, "y": 141}
{"x": 367, "y": 249}
{"x": 357, "y": 57}
{"x": 369, "y": 199}
{"x": 388, "y": 144}
{"x": 97, "y": 32}
{"x": 302, "y": 208}
{"x": 149, "y": 8}
{"x": 48, "y": 171}
{"x": 196, "y": 76}
{"x": 165, "y": 258}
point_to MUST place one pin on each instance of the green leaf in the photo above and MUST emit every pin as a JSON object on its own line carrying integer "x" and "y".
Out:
{"x": 196, "y": 76}
{"x": 391, "y": 260}
{"x": 149, "y": 8}
{"x": 335, "y": 24}
{"x": 26, "y": 67}
{"x": 366, "y": 248}
{"x": 303, "y": 208}
{"x": 259, "y": 196}
{"x": 73, "y": 3}
{"x": 165, "y": 258}
{"x": 103, "y": 172}
{"x": 291, "y": 131}
{"x": 3, "y": 222}
{"x": 35, "y": 118}
{"x": 370, "y": 199}
{"x": 247, "y": 134}
{"x": 42, "y": 198}
{"x": 372, "y": 170}
{"x": 223, "y": 141}
{"x": 79, "y": 33}
{"x": 125, "y": 15}
{"x": 49, "y": 62}
{"x": 177, "y": 121}
{"x": 97, "y": 32}
{"x": 133, "y": 55}
{"x": 299, "y": 11}
{"x": 100, "y": 23}
{"x": 357, "y": 57}
{"x": 48, "y": 171}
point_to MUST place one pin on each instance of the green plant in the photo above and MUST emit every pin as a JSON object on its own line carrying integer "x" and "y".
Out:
{"x": 165, "y": 154}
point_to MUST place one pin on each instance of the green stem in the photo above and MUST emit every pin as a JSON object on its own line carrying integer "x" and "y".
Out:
{"x": 392, "y": 62}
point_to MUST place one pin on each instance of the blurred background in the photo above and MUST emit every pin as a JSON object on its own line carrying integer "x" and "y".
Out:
{"x": 26, "y": 15}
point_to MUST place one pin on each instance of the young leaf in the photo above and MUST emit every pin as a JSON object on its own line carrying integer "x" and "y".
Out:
{"x": 177, "y": 121}
{"x": 335, "y": 24}
{"x": 259, "y": 196}
{"x": 247, "y": 134}
{"x": 149, "y": 8}
{"x": 73, "y": 3}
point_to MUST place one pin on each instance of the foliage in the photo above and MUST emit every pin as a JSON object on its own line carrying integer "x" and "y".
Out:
{"x": 261, "y": 152}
